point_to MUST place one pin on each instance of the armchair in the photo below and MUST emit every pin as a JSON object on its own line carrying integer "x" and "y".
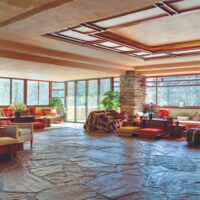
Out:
{"x": 21, "y": 131}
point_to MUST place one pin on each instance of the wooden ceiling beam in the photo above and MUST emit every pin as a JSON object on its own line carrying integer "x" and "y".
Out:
{"x": 168, "y": 66}
{"x": 54, "y": 61}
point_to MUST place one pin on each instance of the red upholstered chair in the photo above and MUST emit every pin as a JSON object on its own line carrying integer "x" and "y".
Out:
{"x": 151, "y": 133}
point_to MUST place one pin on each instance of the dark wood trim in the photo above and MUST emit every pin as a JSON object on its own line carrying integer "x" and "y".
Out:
{"x": 34, "y": 11}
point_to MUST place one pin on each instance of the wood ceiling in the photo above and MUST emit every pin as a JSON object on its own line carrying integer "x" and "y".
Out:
{"x": 77, "y": 39}
{"x": 107, "y": 33}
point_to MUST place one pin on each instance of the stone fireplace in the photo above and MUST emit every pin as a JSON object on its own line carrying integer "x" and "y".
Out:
{"x": 132, "y": 92}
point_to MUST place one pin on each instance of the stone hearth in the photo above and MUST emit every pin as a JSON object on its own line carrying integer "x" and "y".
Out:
{"x": 69, "y": 164}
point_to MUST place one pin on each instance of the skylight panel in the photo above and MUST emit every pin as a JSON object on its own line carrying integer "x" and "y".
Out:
{"x": 109, "y": 44}
{"x": 84, "y": 29}
{"x": 130, "y": 17}
{"x": 141, "y": 53}
{"x": 76, "y": 35}
{"x": 155, "y": 55}
{"x": 124, "y": 49}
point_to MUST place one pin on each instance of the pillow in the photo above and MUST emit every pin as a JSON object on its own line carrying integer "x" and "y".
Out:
{"x": 158, "y": 115}
{"x": 183, "y": 118}
{"x": 196, "y": 117}
{"x": 49, "y": 113}
{"x": 32, "y": 110}
{"x": 46, "y": 110}
{"x": 5, "y": 122}
{"x": 26, "y": 112}
{"x": 8, "y": 112}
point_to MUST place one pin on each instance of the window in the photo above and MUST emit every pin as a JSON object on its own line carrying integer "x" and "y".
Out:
{"x": 38, "y": 93}
{"x": 4, "y": 92}
{"x": 58, "y": 90}
{"x": 17, "y": 90}
{"x": 32, "y": 97}
{"x": 43, "y": 93}
{"x": 116, "y": 84}
{"x": 71, "y": 101}
{"x": 171, "y": 90}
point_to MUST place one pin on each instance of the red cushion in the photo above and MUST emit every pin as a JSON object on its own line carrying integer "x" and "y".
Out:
{"x": 39, "y": 114}
{"x": 5, "y": 122}
{"x": 150, "y": 133}
{"x": 8, "y": 112}
{"x": 164, "y": 111}
{"x": 38, "y": 125}
{"x": 32, "y": 110}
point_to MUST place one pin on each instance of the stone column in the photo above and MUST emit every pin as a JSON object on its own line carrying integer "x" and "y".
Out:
{"x": 132, "y": 92}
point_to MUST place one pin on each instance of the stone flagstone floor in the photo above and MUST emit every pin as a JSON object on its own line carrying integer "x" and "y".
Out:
{"x": 70, "y": 164}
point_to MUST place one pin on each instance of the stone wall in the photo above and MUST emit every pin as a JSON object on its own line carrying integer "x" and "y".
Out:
{"x": 132, "y": 92}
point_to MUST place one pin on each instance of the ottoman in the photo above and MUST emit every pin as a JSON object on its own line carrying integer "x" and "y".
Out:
{"x": 38, "y": 125}
{"x": 151, "y": 133}
{"x": 9, "y": 146}
{"x": 128, "y": 131}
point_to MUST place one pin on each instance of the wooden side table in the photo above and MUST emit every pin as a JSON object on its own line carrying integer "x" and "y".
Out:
{"x": 176, "y": 130}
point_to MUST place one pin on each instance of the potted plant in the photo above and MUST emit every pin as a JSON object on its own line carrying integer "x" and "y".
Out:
{"x": 18, "y": 108}
{"x": 150, "y": 108}
{"x": 111, "y": 100}
{"x": 56, "y": 103}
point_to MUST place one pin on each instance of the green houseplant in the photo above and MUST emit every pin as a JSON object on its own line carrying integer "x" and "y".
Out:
{"x": 55, "y": 102}
{"x": 18, "y": 108}
{"x": 111, "y": 100}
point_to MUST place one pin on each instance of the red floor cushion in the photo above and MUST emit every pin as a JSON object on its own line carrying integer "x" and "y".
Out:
{"x": 151, "y": 133}
{"x": 38, "y": 125}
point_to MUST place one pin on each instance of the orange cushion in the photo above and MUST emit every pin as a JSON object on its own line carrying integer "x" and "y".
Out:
{"x": 5, "y": 122}
{"x": 32, "y": 110}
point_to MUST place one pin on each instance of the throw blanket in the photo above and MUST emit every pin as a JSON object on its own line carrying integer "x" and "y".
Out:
{"x": 107, "y": 121}
{"x": 193, "y": 135}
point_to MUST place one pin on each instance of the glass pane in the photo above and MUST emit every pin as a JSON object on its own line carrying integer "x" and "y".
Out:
{"x": 188, "y": 77}
{"x": 17, "y": 91}
{"x": 71, "y": 102}
{"x": 117, "y": 84}
{"x": 44, "y": 93}
{"x": 190, "y": 82}
{"x": 171, "y": 96}
{"x": 81, "y": 101}
{"x": 105, "y": 85}
{"x": 58, "y": 93}
{"x": 32, "y": 98}
{"x": 4, "y": 92}
{"x": 151, "y": 95}
{"x": 92, "y": 95}
{"x": 58, "y": 85}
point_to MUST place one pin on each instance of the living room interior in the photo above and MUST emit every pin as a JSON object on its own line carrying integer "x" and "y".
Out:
{"x": 99, "y": 99}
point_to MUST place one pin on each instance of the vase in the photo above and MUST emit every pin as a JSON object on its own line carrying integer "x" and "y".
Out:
{"x": 17, "y": 114}
{"x": 150, "y": 116}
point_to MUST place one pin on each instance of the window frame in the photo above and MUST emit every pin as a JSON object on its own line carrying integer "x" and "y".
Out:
{"x": 181, "y": 85}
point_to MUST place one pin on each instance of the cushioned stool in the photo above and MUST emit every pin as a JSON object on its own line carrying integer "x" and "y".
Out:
{"x": 151, "y": 133}
{"x": 38, "y": 125}
{"x": 9, "y": 146}
{"x": 128, "y": 131}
